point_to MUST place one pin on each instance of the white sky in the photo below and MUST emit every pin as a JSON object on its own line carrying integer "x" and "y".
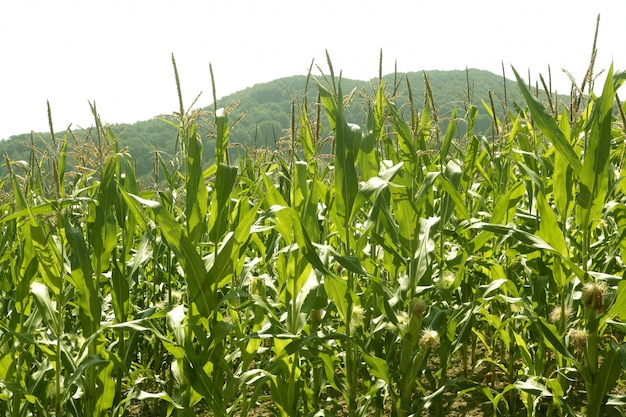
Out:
{"x": 118, "y": 52}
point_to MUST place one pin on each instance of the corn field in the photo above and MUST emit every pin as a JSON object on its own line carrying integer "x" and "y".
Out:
{"x": 399, "y": 265}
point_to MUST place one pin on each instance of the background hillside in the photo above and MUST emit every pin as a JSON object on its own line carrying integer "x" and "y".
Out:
{"x": 264, "y": 111}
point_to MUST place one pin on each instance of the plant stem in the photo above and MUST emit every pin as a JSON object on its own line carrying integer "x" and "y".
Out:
{"x": 350, "y": 349}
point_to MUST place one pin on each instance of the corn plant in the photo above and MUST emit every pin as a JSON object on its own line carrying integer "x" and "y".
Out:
{"x": 424, "y": 266}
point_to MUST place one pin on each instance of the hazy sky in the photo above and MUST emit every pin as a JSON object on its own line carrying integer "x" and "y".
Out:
{"x": 118, "y": 52}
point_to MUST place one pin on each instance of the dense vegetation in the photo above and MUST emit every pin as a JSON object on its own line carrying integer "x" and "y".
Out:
{"x": 421, "y": 269}
{"x": 264, "y": 113}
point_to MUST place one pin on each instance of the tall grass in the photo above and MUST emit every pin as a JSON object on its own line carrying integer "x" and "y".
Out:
{"x": 417, "y": 271}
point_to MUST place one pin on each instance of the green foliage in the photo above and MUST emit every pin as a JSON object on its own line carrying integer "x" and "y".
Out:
{"x": 425, "y": 264}
{"x": 262, "y": 116}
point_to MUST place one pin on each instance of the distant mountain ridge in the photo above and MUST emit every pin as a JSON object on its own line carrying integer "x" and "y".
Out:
{"x": 268, "y": 106}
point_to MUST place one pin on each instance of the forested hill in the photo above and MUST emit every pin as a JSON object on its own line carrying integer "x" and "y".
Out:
{"x": 268, "y": 108}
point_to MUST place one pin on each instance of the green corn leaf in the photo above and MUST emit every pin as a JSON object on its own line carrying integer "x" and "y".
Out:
{"x": 553, "y": 339}
{"x": 298, "y": 344}
{"x": 288, "y": 224}
{"x": 379, "y": 187}
{"x": 337, "y": 291}
{"x": 164, "y": 168}
{"x": 86, "y": 362}
{"x": 347, "y": 142}
{"x": 44, "y": 304}
{"x": 450, "y": 182}
{"x": 197, "y": 371}
{"x": 350, "y": 263}
{"x": 617, "y": 308}
{"x": 619, "y": 78}
{"x": 24, "y": 268}
{"x": 525, "y": 352}
{"x": 497, "y": 398}
{"x": 138, "y": 325}
{"x": 61, "y": 165}
{"x": 346, "y": 180}
{"x": 594, "y": 177}
{"x": 225, "y": 179}
{"x": 470, "y": 162}
{"x": 425, "y": 191}
{"x": 549, "y": 229}
{"x": 605, "y": 381}
{"x": 453, "y": 195}
{"x": 377, "y": 366}
{"x": 103, "y": 238}
{"x": 221, "y": 140}
{"x": 406, "y": 214}
{"x": 564, "y": 186}
{"x": 196, "y": 190}
{"x": 424, "y": 250}
{"x": 534, "y": 387}
{"x": 48, "y": 255}
{"x": 272, "y": 194}
{"x": 408, "y": 151}
{"x": 130, "y": 175}
{"x": 6, "y": 365}
{"x": 45, "y": 208}
{"x": 120, "y": 293}
{"x": 141, "y": 395}
{"x": 503, "y": 212}
{"x": 408, "y": 209}
{"x": 470, "y": 116}
{"x": 306, "y": 136}
{"x": 506, "y": 206}
{"x": 305, "y": 197}
{"x": 368, "y": 157}
{"x": 83, "y": 277}
{"x": 245, "y": 222}
{"x": 445, "y": 146}
{"x": 548, "y": 126}
{"x": 142, "y": 254}
{"x": 621, "y": 353}
{"x": 105, "y": 390}
{"x": 524, "y": 237}
{"x": 199, "y": 282}
{"x": 618, "y": 212}
{"x": 330, "y": 105}
{"x": 223, "y": 261}
{"x": 126, "y": 219}
{"x": 529, "y": 240}
{"x": 20, "y": 201}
